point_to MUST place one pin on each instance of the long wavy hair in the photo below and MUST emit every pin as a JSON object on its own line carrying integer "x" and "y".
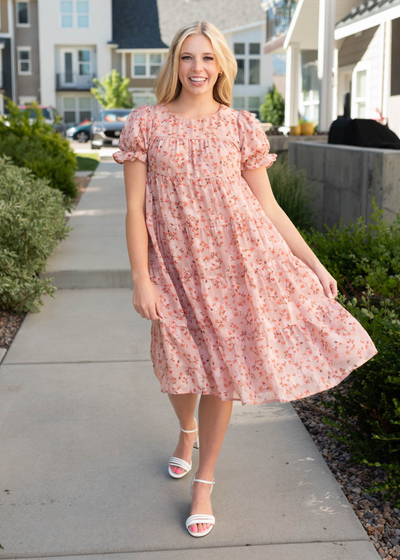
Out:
{"x": 168, "y": 86}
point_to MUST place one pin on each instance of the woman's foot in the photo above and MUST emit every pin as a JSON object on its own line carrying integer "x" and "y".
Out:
{"x": 201, "y": 503}
{"x": 184, "y": 449}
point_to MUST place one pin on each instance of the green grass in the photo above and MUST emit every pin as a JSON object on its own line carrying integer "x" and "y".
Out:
{"x": 87, "y": 162}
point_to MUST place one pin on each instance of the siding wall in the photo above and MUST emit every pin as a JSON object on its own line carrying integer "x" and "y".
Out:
{"x": 366, "y": 48}
{"x": 28, "y": 37}
{"x": 3, "y": 16}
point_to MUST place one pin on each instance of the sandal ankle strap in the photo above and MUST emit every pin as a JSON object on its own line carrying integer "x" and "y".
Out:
{"x": 189, "y": 431}
{"x": 206, "y": 481}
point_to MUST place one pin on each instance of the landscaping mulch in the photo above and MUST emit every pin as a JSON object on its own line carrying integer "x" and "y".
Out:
{"x": 10, "y": 321}
{"x": 379, "y": 517}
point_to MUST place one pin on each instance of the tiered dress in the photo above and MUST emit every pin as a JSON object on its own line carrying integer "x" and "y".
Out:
{"x": 243, "y": 317}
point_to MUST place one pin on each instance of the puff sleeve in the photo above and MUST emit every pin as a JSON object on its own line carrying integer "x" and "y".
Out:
{"x": 134, "y": 135}
{"x": 254, "y": 145}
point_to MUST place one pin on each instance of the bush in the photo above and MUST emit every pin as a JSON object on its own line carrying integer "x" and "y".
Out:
{"x": 273, "y": 108}
{"x": 31, "y": 225}
{"x": 364, "y": 259}
{"x": 292, "y": 193}
{"x": 358, "y": 255}
{"x": 39, "y": 147}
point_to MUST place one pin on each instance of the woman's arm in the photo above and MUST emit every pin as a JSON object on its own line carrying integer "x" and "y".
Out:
{"x": 135, "y": 176}
{"x": 258, "y": 181}
{"x": 145, "y": 298}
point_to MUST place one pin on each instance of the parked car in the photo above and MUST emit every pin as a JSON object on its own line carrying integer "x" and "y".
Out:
{"x": 49, "y": 113}
{"x": 106, "y": 129}
{"x": 80, "y": 132}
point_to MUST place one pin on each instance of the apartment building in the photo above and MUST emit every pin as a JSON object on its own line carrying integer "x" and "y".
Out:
{"x": 73, "y": 47}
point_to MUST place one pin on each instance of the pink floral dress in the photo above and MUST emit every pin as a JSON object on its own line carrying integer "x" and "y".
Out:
{"x": 243, "y": 318}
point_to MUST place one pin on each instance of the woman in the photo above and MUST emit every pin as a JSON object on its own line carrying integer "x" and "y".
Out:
{"x": 241, "y": 308}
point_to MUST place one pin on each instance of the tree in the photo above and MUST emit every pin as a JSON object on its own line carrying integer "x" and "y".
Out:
{"x": 273, "y": 108}
{"x": 112, "y": 92}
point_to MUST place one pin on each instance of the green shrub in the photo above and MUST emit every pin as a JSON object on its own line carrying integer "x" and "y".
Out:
{"x": 292, "y": 193}
{"x": 31, "y": 225}
{"x": 364, "y": 259}
{"x": 358, "y": 254}
{"x": 273, "y": 108}
{"x": 39, "y": 147}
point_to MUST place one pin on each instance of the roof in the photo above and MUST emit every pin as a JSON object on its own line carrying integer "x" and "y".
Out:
{"x": 225, "y": 14}
{"x": 135, "y": 25}
{"x": 153, "y": 23}
{"x": 366, "y": 9}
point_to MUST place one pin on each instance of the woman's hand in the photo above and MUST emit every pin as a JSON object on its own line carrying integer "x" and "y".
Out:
{"x": 327, "y": 280}
{"x": 146, "y": 301}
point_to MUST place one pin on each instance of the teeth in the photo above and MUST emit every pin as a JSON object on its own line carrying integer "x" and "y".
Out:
{"x": 198, "y": 79}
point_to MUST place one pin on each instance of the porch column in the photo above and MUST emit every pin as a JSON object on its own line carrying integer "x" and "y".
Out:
{"x": 326, "y": 29}
{"x": 123, "y": 65}
{"x": 292, "y": 85}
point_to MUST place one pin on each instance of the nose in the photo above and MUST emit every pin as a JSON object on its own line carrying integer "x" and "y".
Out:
{"x": 197, "y": 64}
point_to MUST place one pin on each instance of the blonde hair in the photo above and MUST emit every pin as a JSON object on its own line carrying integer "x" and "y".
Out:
{"x": 167, "y": 85}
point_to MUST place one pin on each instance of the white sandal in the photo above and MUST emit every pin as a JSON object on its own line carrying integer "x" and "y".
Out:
{"x": 181, "y": 463}
{"x": 200, "y": 518}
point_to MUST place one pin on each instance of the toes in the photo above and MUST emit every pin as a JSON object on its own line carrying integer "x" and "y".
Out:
{"x": 193, "y": 528}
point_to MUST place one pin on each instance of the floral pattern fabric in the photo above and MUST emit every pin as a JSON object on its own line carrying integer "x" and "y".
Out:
{"x": 243, "y": 317}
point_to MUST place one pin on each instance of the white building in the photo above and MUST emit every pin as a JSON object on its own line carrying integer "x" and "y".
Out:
{"x": 73, "y": 46}
{"x": 339, "y": 48}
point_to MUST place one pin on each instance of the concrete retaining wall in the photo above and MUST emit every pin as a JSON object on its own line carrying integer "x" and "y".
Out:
{"x": 281, "y": 143}
{"x": 345, "y": 179}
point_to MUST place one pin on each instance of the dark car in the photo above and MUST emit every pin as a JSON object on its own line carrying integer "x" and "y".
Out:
{"x": 80, "y": 132}
{"x": 106, "y": 129}
{"x": 49, "y": 113}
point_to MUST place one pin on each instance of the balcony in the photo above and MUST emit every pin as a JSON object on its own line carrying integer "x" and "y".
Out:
{"x": 279, "y": 14}
{"x": 72, "y": 82}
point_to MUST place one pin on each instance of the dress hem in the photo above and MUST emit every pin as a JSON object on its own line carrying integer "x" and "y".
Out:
{"x": 345, "y": 374}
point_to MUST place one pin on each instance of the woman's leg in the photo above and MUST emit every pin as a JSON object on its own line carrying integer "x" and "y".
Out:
{"x": 214, "y": 416}
{"x": 184, "y": 406}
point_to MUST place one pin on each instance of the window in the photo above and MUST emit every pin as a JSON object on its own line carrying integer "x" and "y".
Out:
{"x": 139, "y": 64}
{"x": 24, "y": 60}
{"x": 254, "y": 71}
{"x": 69, "y": 110}
{"x": 84, "y": 63}
{"x": 239, "y": 103}
{"x": 361, "y": 92}
{"x": 146, "y": 64}
{"x": 360, "y": 108}
{"x": 85, "y": 111}
{"x": 249, "y": 63}
{"x": 240, "y": 73}
{"x": 310, "y": 89}
{"x": 155, "y": 63}
{"x": 82, "y": 10}
{"x": 254, "y": 104}
{"x": 22, "y": 14}
{"x": 76, "y": 109}
{"x": 143, "y": 99}
{"x": 254, "y": 48}
{"x": 67, "y": 11}
{"x": 238, "y": 48}
{"x": 77, "y": 18}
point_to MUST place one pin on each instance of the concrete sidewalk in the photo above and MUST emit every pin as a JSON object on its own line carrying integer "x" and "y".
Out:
{"x": 86, "y": 434}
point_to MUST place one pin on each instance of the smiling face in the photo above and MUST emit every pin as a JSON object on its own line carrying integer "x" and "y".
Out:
{"x": 198, "y": 66}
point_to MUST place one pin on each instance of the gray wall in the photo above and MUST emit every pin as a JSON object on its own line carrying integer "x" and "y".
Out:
{"x": 25, "y": 37}
{"x": 344, "y": 180}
